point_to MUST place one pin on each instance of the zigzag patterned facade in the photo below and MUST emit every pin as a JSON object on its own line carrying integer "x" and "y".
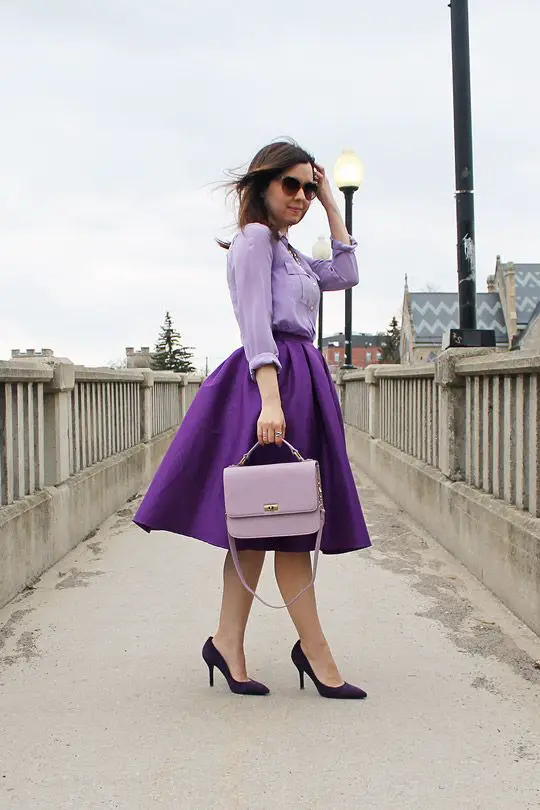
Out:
{"x": 446, "y": 312}
{"x": 529, "y": 279}
{"x": 512, "y": 299}
{"x": 527, "y": 291}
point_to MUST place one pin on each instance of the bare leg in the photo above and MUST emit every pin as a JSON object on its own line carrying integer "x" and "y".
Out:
{"x": 293, "y": 572}
{"x": 235, "y": 607}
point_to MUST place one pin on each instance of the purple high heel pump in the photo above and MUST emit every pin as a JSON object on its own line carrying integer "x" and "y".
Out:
{"x": 213, "y": 658}
{"x": 344, "y": 692}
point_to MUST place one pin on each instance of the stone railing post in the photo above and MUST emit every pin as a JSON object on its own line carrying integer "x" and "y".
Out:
{"x": 183, "y": 396}
{"x": 147, "y": 408}
{"x": 57, "y": 423}
{"x": 374, "y": 403}
{"x": 340, "y": 388}
{"x": 453, "y": 412}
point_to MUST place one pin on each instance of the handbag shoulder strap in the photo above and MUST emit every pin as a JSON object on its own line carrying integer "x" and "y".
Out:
{"x": 234, "y": 555}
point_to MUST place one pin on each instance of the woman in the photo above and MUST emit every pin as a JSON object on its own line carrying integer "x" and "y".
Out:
{"x": 277, "y": 385}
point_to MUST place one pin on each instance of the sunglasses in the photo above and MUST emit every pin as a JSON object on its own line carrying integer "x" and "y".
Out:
{"x": 291, "y": 186}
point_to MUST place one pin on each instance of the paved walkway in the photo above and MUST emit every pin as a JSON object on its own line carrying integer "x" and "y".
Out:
{"x": 104, "y": 700}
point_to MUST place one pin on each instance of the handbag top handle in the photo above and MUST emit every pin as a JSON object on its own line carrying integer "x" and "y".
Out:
{"x": 246, "y": 456}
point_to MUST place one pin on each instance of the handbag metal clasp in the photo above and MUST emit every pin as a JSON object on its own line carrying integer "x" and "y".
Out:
{"x": 271, "y": 507}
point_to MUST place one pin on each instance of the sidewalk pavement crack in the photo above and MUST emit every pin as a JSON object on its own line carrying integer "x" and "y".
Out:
{"x": 402, "y": 548}
{"x": 77, "y": 579}
{"x": 25, "y": 649}
{"x": 8, "y": 629}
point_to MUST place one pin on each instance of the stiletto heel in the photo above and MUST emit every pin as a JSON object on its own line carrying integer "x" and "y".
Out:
{"x": 213, "y": 658}
{"x": 344, "y": 692}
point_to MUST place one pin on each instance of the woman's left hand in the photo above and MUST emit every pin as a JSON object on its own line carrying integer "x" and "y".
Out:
{"x": 324, "y": 193}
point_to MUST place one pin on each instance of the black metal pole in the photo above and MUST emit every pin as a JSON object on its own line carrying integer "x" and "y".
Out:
{"x": 466, "y": 247}
{"x": 348, "y": 192}
{"x": 320, "y": 340}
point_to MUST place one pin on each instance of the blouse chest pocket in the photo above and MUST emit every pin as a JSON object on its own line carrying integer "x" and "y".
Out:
{"x": 305, "y": 288}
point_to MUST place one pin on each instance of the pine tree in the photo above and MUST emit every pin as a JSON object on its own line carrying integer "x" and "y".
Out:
{"x": 169, "y": 354}
{"x": 390, "y": 343}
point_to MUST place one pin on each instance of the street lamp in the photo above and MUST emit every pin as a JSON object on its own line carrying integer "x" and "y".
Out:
{"x": 321, "y": 250}
{"x": 467, "y": 334}
{"x": 348, "y": 175}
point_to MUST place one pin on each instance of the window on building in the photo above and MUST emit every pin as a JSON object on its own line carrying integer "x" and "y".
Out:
{"x": 336, "y": 357}
{"x": 368, "y": 357}
{"x": 379, "y": 355}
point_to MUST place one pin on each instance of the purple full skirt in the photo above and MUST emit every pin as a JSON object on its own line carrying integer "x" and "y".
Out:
{"x": 186, "y": 493}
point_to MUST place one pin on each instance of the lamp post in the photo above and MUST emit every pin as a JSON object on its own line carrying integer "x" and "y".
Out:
{"x": 467, "y": 334}
{"x": 348, "y": 176}
{"x": 321, "y": 250}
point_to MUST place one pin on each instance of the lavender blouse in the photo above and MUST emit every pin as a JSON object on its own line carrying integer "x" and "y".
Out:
{"x": 271, "y": 291}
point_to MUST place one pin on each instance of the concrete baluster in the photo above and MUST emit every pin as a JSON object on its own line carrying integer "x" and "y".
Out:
{"x": 372, "y": 382}
{"x": 147, "y": 387}
{"x": 58, "y": 427}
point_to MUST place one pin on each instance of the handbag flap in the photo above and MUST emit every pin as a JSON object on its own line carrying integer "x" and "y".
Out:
{"x": 271, "y": 489}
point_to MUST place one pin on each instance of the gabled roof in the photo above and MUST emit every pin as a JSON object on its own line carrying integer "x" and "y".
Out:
{"x": 527, "y": 291}
{"x": 434, "y": 314}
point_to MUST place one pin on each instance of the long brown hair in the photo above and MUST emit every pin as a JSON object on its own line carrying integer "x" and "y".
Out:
{"x": 249, "y": 187}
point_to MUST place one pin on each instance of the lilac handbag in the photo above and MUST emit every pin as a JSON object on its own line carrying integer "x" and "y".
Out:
{"x": 273, "y": 500}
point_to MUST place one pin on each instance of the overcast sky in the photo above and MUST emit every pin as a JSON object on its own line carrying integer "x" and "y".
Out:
{"x": 117, "y": 116}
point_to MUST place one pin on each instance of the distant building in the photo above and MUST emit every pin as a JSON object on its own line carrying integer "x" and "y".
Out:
{"x": 513, "y": 293}
{"x": 518, "y": 286}
{"x": 31, "y": 354}
{"x": 366, "y": 350}
{"x": 530, "y": 337}
{"x": 138, "y": 359}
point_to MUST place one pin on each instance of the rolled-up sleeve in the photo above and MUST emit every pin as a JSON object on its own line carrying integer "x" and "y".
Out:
{"x": 341, "y": 271}
{"x": 252, "y": 259}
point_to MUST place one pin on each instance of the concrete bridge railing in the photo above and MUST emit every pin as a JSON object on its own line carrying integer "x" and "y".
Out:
{"x": 75, "y": 444}
{"x": 457, "y": 444}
